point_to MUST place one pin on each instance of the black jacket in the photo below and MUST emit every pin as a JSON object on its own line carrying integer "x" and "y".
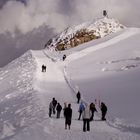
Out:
{"x": 103, "y": 107}
{"x": 54, "y": 102}
{"x": 59, "y": 107}
{"x": 68, "y": 112}
{"x": 78, "y": 95}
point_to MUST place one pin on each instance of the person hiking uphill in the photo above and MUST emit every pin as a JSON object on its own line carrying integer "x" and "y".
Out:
{"x": 81, "y": 109}
{"x": 68, "y": 116}
{"x": 93, "y": 109}
{"x": 103, "y": 110}
{"x": 78, "y": 95}
{"x": 65, "y": 106}
{"x": 54, "y": 102}
{"x": 50, "y": 108}
{"x": 58, "y": 109}
{"x": 64, "y": 57}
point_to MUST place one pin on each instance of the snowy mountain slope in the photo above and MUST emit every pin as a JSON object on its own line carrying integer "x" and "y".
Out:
{"x": 19, "y": 106}
{"x": 54, "y": 128}
{"x": 126, "y": 34}
{"x": 90, "y": 69}
{"x": 112, "y": 75}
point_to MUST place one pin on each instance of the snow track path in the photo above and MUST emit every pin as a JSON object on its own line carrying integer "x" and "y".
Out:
{"x": 51, "y": 83}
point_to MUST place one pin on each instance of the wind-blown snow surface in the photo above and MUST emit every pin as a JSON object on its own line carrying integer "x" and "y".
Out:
{"x": 106, "y": 70}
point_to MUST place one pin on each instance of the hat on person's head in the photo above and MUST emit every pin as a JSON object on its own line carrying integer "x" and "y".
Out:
{"x": 69, "y": 105}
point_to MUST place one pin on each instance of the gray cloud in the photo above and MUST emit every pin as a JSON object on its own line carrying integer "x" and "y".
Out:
{"x": 27, "y": 15}
{"x": 13, "y": 47}
{"x": 3, "y": 2}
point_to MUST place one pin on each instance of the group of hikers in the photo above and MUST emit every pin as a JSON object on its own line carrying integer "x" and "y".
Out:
{"x": 85, "y": 110}
{"x": 55, "y": 108}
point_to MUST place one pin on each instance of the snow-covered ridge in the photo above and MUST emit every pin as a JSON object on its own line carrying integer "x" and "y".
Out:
{"x": 18, "y": 100}
{"x": 75, "y": 35}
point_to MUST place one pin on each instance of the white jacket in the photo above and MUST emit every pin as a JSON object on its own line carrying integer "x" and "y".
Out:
{"x": 87, "y": 113}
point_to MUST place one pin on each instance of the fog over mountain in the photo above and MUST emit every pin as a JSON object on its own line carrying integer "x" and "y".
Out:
{"x": 29, "y": 15}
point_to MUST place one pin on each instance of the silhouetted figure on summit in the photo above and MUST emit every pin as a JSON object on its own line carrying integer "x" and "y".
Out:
{"x": 105, "y": 13}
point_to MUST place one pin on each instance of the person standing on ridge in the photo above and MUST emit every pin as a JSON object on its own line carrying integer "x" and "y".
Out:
{"x": 50, "y": 109}
{"x": 103, "y": 110}
{"x": 78, "y": 95}
{"x": 93, "y": 109}
{"x": 81, "y": 109}
{"x": 86, "y": 118}
{"x": 54, "y": 102}
{"x": 68, "y": 116}
{"x": 58, "y": 109}
{"x": 64, "y": 57}
{"x": 65, "y": 106}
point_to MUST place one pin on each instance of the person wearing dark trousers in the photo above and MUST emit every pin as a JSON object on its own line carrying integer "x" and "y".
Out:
{"x": 86, "y": 126}
{"x": 78, "y": 95}
{"x": 103, "y": 110}
{"x": 86, "y": 119}
{"x": 68, "y": 116}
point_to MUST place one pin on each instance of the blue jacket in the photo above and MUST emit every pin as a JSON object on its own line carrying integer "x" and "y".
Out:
{"x": 81, "y": 107}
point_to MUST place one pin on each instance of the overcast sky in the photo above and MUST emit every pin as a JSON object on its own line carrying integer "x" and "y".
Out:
{"x": 32, "y": 16}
